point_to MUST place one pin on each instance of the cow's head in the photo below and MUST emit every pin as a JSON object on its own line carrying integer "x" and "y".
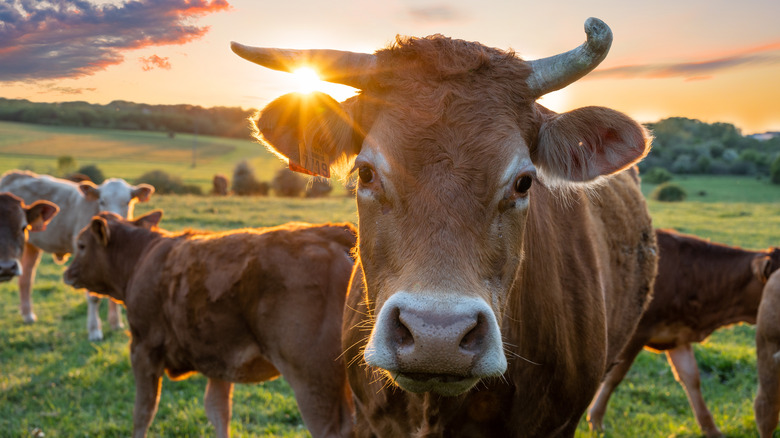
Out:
{"x": 16, "y": 220}
{"x": 116, "y": 195}
{"x": 99, "y": 256}
{"x": 448, "y": 144}
{"x": 763, "y": 265}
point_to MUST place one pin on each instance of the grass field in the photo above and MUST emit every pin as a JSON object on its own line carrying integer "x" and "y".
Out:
{"x": 53, "y": 381}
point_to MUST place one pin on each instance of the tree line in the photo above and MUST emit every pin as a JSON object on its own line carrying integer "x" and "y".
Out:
{"x": 216, "y": 121}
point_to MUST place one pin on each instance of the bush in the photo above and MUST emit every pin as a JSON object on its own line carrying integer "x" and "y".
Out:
{"x": 669, "y": 193}
{"x": 288, "y": 183}
{"x": 245, "y": 183}
{"x": 93, "y": 172}
{"x": 774, "y": 171}
{"x": 319, "y": 188}
{"x": 165, "y": 183}
{"x": 656, "y": 175}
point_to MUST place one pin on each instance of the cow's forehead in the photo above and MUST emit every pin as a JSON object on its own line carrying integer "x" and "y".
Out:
{"x": 115, "y": 188}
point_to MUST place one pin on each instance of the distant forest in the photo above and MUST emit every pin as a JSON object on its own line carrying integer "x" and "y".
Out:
{"x": 680, "y": 146}
{"x": 216, "y": 121}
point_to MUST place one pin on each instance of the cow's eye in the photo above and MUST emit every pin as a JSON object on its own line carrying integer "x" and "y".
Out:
{"x": 523, "y": 184}
{"x": 366, "y": 174}
{"x": 81, "y": 246}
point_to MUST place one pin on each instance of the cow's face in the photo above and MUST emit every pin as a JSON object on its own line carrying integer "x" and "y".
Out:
{"x": 16, "y": 220}
{"x": 448, "y": 147}
{"x": 116, "y": 196}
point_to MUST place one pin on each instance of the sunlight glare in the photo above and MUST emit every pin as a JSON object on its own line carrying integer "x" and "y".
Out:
{"x": 307, "y": 79}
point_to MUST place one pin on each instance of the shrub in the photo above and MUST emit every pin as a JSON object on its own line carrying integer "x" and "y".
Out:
{"x": 288, "y": 183}
{"x": 245, "y": 183}
{"x": 319, "y": 188}
{"x": 774, "y": 171}
{"x": 165, "y": 183}
{"x": 656, "y": 175}
{"x": 93, "y": 172}
{"x": 65, "y": 164}
{"x": 668, "y": 192}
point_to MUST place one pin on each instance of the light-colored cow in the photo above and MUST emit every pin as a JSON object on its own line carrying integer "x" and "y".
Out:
{"x": 16, "y": 221}
{"x": 78, "y": 202}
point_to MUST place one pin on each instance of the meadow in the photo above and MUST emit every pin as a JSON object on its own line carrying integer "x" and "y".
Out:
{"x": 55, "y": 383}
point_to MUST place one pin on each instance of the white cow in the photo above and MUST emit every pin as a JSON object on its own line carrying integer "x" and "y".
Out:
{"x": 78, "y": 202}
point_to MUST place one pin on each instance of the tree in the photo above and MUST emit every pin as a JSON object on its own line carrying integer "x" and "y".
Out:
{"x": 774, "y": 171}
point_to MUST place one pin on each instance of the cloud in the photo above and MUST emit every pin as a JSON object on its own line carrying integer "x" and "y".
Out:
{"x": 64, "y": 90}
{"x": 693, "y": 71}
{"x": 437, "y": 13}
{"x": 74, "y": 38}
{"x": 155, "y": 61}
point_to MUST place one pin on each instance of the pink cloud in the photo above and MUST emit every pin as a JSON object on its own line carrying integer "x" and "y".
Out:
{"x": 154, "y": 61}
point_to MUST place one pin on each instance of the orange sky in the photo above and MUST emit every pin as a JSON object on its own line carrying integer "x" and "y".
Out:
{"x": 711, "y": 60}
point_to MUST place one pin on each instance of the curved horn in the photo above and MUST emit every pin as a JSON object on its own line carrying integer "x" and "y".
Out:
{"x": 341, "y": 67}
{"x": 556, "y": 72}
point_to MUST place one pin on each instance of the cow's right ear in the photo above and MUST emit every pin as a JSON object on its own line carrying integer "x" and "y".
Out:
{"x": 99, "y": 228}
{"x": 149, "y": 220}
{"x": 89, "y": 190}
{"x": 762, "y": 268}
{"x": 314, "y": 121}
{"x": 39, "y": 214}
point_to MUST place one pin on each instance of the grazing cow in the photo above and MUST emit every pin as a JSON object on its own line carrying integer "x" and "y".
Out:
{"x": 240, "y": 306}
{"x": 78, "y": 202}
{"x": 767, "y": 403}
{"x": 501, "y": 269}
{"x": 700, "y": 287}
{"x": 16, "y": 220}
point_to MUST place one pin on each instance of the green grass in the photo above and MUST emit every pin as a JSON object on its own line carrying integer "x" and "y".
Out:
{"x": 53, "y": 380}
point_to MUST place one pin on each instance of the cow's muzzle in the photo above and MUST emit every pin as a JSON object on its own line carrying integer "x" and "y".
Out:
{"x": 436, "y": 342}
{"x": 9, "y": 269}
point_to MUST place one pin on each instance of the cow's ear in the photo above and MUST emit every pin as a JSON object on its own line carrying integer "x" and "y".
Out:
{"x": 149, "y": 220}
{"x": 99, "y": 228}
{"x": 762, "y": 268}
{"x": 40, "y": 213}
{"x": 142, "y": 192}
{"x": 89, "y": 190}
{"x": 314, "y": 121}
{"x": 589, "y": 142}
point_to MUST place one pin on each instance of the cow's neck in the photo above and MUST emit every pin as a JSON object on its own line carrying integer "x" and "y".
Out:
{"x": 134, "y": 243}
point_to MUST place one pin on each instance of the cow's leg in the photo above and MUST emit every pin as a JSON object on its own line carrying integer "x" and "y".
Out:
{"x": 218, "y": 400}
{"x": 115, "y": 315}
{"x": 94, "y": 326}
{"x": 31, "y": 255}
{"x": 686, "y": 371}
{"x": 613, "y": 378}
{"x": 767, "y": 403}
{"x": 148, "y": 370}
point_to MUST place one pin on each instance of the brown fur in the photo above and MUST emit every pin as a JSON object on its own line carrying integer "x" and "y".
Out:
{"x": 240, "y": 306}
{"x": 701, "y": 286}
{"x": 767, "y": 403}
{"x": 567, "y": 276}
{"x": 16, "y": 221}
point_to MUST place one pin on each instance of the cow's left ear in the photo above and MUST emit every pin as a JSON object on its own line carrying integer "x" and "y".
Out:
{"x": 762, "y": 268}
{"x": 589, "y": 142}
{"x": 40, "y": 213}
{"x": 89, "y": 190}
{"x": 142, "y": 192}
{"x": 149, "y": 220}
{"x": 99, "y": 228}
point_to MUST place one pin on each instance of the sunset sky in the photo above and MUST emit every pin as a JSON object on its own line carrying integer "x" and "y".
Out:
{"x": 714, "y": 60}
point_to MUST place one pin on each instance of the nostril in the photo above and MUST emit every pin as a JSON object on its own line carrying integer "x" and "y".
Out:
{"x": 473, "y": 340}
{"x": 400, "y": 332}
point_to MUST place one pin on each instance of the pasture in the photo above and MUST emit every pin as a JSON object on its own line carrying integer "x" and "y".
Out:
{"x": 55, "y": 382}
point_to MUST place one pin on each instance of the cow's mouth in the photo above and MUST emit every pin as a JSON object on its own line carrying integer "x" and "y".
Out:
{"x": 6, "y": 277}
{"x": 442, "y": 384}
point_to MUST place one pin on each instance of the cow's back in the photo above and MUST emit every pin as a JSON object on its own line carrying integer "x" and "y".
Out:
{"x": 75, "y": 211}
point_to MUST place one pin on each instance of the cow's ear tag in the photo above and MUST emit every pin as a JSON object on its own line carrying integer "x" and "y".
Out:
{"x": 314, "y": 161}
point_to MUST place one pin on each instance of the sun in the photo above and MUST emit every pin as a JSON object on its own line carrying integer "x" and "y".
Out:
{"x": 308, "y": 80}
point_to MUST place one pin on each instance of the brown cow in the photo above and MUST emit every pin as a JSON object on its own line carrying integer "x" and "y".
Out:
{"x": 496, "y": 283}
{"x": 767, "y": 403}
{"x": 16, "y": 220}
{"x": 701, "y": 286}
{"x": 240, "y": 306}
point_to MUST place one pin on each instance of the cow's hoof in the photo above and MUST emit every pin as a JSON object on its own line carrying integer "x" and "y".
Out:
{"x": 95, "y": 335}
{"x": 29, "y": 318}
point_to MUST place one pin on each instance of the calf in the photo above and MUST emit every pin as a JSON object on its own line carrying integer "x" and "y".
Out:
{"x": 767, "y": 404}
{"x": 241, "y": 306}
{"x": 16, "y": 220}
{"x": 700, "y": 287}
{"x": 78, "y": 202}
